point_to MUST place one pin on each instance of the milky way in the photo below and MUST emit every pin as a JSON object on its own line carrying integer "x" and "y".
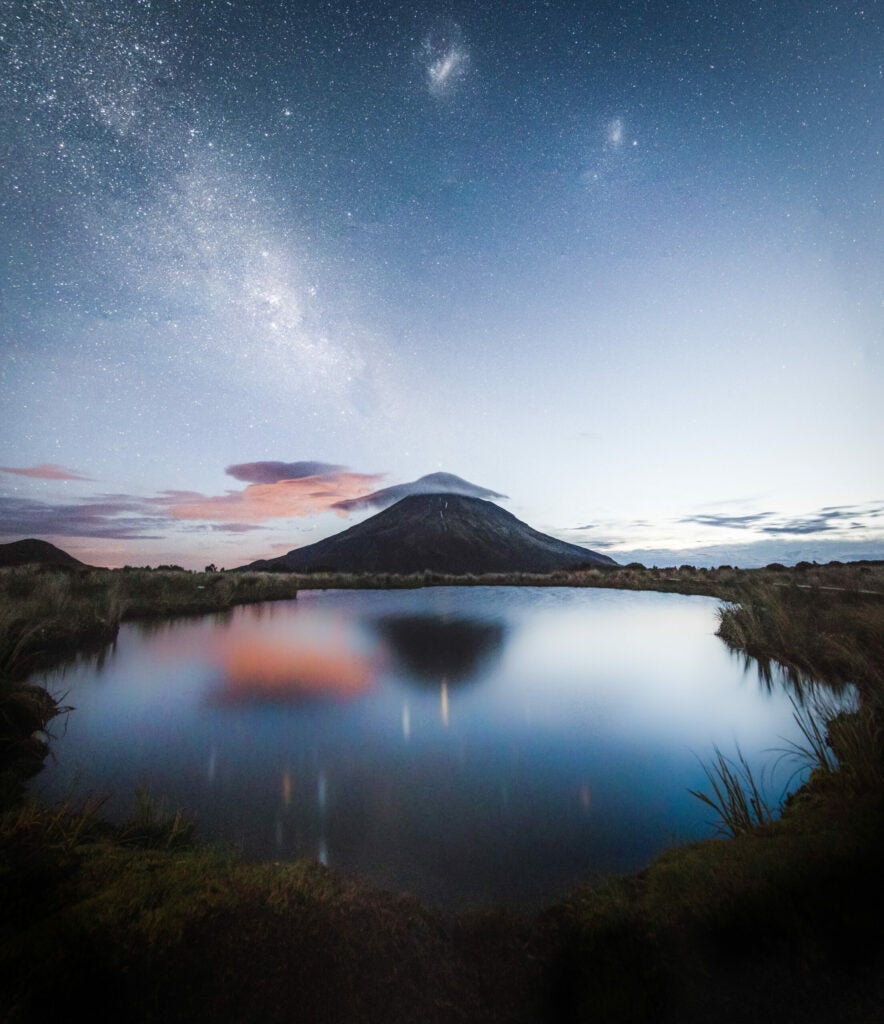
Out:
{"x": 619, "y": 261}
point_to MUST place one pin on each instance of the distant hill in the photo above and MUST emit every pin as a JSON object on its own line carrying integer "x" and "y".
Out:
{"x": 432, "y": 483}
{"x": 39, "y": 552}
{"x": 437, "y": 532}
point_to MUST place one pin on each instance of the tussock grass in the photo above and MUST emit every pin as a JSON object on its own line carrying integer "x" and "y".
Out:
{"x": 60, "y": 827}
{"x": 151, "y": 825}
{"x": 25, "y": 709}
{"x": 831, "y": 648}
{"x": 812, "y": 712}
{"x": 737, "y": 798}
{"x": 833, "y": 637}
{"x": 857, "y": 740}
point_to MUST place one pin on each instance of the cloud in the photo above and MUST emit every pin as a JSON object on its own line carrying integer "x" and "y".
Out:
{"x": 284, "y": 499}
{"x": 45, "y": 471}
{"x": 434, "y": 483}
{"x": 728, "y": 521}
{"x": 221, "y": 528}
{"x": 292, "y": 489}
{"x": 118, "y": 519}
{"x": 833, "y": 518}
{"x": 273, "y": 472}
{"x": 758, "y": 553}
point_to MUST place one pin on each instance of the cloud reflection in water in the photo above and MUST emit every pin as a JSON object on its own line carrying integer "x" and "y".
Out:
{"x": 258, "y": 669}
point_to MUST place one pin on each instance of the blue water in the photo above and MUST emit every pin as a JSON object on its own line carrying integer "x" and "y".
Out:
{"x": 470, "y": 745}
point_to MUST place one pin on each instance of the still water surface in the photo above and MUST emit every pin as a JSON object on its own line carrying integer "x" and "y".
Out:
{"x": 470, "y": 745}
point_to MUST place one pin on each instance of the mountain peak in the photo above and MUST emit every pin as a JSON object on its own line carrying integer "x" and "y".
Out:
{"x": 437, "y": 532}
{"x": 34, "y": 551}
{"x": 432, "y": 483}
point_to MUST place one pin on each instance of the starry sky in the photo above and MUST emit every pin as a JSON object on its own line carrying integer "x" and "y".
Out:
{"x": 620, "y": 262}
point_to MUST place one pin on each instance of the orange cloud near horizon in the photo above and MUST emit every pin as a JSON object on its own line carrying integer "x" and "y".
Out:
{"x": 285, "y": 499}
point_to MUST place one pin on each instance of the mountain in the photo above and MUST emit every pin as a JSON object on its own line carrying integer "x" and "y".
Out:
{"x": 433, "y": 483}
{"x": 41, "y": 552}
{"x": 438, "y": 532}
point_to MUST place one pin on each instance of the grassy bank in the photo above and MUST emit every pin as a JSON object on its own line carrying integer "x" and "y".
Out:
{"x": 46, "y": 612}
{"x": 780, "y": 923}
{"x": 138, "y": 923}
{"x": 724, "y": 581}
{"x": 825, "y": 634}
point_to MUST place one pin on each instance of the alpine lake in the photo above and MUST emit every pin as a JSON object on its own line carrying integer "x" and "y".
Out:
{"x": 473, "y": 746}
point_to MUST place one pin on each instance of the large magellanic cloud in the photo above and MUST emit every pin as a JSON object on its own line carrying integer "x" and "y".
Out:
{"x": 446, "y": 60}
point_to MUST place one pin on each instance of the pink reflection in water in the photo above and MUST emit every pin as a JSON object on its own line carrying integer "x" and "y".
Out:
{"x": 262, "y": 669}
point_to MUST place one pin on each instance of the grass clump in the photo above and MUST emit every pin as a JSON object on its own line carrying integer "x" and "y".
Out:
{"x": 737, "y": 797}
{"x": 152, "y": 826}
{"x": 25, "y": 709}
{"x": 830, "y": 647}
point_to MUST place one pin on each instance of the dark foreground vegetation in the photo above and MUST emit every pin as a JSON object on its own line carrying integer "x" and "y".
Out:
{"x": 781, "y": 922}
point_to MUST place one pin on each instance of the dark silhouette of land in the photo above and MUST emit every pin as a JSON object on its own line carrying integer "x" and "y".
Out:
{"x": 447, "y": 533}
{"x": 36, "y": 552}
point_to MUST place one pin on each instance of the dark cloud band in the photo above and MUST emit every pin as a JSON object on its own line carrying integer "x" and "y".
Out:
{"x": 434, "y": 483}
{"x": 273, "y": 472}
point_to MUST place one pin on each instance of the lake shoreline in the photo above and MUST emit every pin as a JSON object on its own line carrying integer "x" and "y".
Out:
{"x": 768, "y": 921}
{"x": 54, "y": 612}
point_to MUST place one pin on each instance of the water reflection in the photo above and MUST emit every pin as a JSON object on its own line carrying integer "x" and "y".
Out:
{"x": 450, "y": 649}
{"x": 474, "y": 744}
{"x": 261, "y": 670}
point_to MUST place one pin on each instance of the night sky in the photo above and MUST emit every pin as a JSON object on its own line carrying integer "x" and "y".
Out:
{"x": 619, "y": 262}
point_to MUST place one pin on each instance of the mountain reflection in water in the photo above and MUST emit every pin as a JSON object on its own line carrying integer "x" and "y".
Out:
{"x": 432, "y": 648}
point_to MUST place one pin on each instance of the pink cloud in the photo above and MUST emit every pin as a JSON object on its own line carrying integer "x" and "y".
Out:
{"x": 285, "y": 499}
{"x": 45, "y": 471}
